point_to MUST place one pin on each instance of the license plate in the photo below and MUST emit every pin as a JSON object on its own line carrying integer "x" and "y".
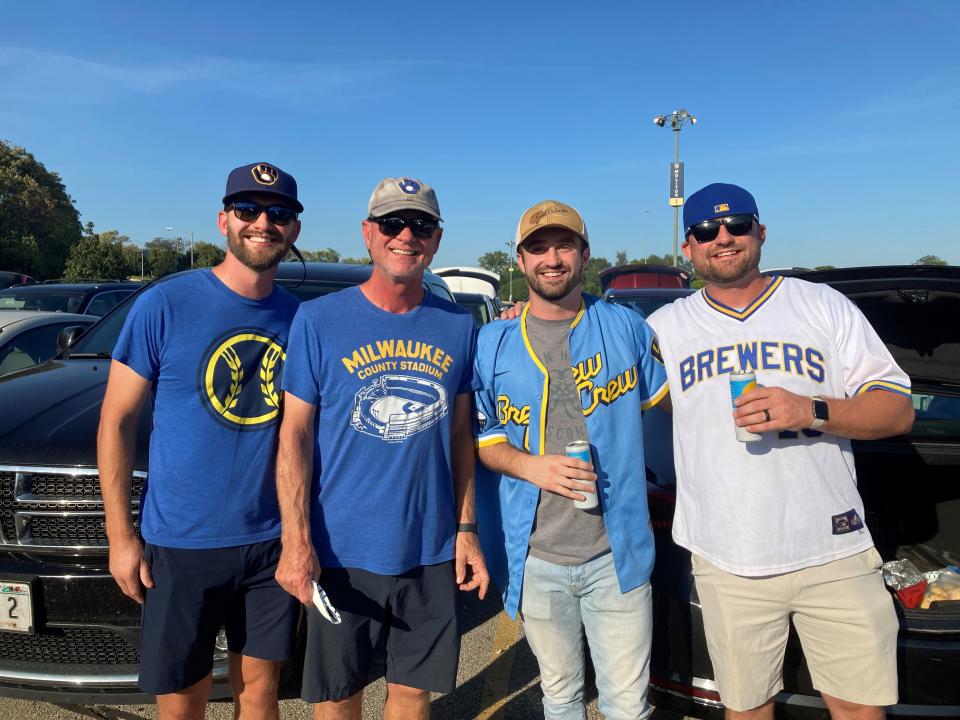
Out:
{"x": 16, "y": 610}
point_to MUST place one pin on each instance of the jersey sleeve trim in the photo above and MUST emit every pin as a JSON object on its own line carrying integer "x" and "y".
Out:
{"x": 884, "y": 385}
{"x": 656, "y": 397}
{"x": 493, "y": 439}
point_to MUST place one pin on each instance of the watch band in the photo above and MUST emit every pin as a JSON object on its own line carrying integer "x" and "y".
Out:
{"x": 468, "y": 527}
{"x": 821, "y": 412}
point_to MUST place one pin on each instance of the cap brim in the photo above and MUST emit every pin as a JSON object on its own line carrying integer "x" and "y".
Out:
{"x": 394, "y": 205}
{"x": 551, "y": 225}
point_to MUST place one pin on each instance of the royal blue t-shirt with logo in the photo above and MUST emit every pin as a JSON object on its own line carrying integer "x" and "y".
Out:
{"x": 215, "y": 359}
{"x": 384, "y": 385}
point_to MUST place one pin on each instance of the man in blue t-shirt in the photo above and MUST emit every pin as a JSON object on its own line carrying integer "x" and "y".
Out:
{"x": 375, "y": 468}
{"x": 209, "y": 347}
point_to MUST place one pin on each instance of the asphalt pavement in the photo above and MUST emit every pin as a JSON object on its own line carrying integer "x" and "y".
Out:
{"x": 497, "y": 679}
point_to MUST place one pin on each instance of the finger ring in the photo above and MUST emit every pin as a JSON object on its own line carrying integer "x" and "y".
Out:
{"x": 766, "y": 414}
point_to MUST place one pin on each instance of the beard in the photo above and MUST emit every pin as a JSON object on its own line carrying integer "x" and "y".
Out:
{"x": 554, "y": 291}
{"x": 747, "y": 261}
{"x": 257, "y": 259}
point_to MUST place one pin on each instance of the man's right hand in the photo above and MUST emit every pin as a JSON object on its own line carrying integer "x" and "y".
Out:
{"x": 297, "y": 569}
{"x": 129, "y": 568}
{"x": 560, "y": 474}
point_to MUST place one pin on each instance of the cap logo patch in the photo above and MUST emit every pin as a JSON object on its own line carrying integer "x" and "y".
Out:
{"x": 722, "y": 207}
{"x": 408, "y": 186}
{"x": 538, "y": 216}
{"x": 265, "y": 174}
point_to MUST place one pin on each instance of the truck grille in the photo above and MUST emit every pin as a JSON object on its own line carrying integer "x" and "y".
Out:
{"x": 55, "y": 508}
{"x": 69, "y": 646}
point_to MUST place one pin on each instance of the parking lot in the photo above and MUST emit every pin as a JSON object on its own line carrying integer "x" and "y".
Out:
{"x": 497, "y": 680}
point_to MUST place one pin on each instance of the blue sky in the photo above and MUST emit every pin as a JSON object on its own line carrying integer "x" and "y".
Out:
{"x": 842, "y": 118}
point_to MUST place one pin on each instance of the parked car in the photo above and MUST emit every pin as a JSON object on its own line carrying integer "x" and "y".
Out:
{"x": 911, "y": 494}
{"x": 638, "y": 275}
{"x": 8, "y": 278}
{"x": 79, "y": 640}
{"x": 645, "y": 300}
{"x": 483, "y": 307}
{"x": 28, "y": 337}
{"x": 94, "y": 298}
{"x": 470, "y": 280}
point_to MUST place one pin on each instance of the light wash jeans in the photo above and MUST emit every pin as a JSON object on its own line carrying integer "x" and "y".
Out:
{"x": 560, "y": 599}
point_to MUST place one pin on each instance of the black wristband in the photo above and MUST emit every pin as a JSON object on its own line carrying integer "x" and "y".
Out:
{"x": 468, "y": 527}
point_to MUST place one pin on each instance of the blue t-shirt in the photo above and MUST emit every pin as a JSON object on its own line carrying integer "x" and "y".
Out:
{"x": 384, "y": 385}
{"x": 215, "y": 359}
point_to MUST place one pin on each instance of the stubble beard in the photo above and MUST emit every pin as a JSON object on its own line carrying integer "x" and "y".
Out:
{"x": 553, "y": 292}
{"x": 258, "y": 261}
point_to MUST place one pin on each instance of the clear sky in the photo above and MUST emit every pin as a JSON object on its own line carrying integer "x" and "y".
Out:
{"x": 843, "y": 118}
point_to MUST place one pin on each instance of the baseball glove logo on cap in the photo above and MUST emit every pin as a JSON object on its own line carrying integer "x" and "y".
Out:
{"x": 410, "y": 187}
{"x": 264, "y": 174}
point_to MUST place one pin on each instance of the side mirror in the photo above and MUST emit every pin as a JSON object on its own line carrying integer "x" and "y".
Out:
{"x": 68, "y": 336}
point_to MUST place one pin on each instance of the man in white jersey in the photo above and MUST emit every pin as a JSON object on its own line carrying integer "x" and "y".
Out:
{"x": 775, "y": 527}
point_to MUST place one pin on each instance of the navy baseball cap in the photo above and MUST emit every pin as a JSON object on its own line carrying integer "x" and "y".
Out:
{"x": 261, "y": 178}
{"x": 716, "y": 201}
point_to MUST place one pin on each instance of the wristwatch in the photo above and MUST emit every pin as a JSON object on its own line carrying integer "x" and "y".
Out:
{"x": 821, "y": 412}
{"x": 468, "y": 527}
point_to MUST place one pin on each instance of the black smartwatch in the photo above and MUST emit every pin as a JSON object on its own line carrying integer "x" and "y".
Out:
{"x": 821, "y": 412}
{"x": 468, "y": 527}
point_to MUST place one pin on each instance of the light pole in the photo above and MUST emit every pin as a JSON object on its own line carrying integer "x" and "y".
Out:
{"x": 510, "y": 248}
{"x": 676, "y": 119}
{"x": 646, "y": 228}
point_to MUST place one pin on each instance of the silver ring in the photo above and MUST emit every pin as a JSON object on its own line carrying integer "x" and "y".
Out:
{"x": 766, "y": 414}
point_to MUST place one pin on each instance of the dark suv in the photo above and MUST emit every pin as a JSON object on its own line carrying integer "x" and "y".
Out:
{"x": 84, "y": 298}
{"x": 71, "y": 635}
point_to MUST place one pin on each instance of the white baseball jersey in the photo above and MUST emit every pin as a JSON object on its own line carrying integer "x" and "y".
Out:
{"x": 790, "y": 500}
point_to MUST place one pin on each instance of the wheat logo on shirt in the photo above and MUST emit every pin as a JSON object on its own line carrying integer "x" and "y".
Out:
{"x": 240, "y": 378}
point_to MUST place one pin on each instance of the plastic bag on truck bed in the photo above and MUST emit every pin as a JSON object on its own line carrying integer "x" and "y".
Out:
{"x": 905, "y": 579}
{"x": 946, "y": 586}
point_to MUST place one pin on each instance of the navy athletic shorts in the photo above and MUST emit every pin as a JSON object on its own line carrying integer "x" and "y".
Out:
{"x": 412, "y": 615}
{"x": 195, "y": 593}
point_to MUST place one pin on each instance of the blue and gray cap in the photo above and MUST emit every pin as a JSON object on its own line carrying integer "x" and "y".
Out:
{"x": 262, "y": 178}
{"x": 716, "y": 201}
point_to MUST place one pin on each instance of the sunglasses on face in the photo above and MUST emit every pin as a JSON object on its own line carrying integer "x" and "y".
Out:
{"x": 708, "y": 230}
{"x": 393, "y": 225}
{"x": 250, "y": 211}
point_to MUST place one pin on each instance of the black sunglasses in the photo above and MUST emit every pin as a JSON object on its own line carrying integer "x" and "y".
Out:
{"x": 250, "y": 211}
{"x": 708, "y": 230}
{"x": 393, "y": 225}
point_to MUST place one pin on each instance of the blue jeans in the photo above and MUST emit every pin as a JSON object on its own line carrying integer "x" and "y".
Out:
{"x": 559, "y": 600}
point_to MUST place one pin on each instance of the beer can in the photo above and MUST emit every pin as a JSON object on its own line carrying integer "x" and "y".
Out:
{"x": 741, "y": 382}
{"x": 580, "y": 449}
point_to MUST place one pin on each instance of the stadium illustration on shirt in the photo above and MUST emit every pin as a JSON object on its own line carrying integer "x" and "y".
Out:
{"x": 395, "y": 407}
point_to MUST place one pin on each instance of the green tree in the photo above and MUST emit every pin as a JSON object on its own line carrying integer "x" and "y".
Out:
{"x": 824, "y": 267}
{"x": 930, "y": 260}
{"x": 97, "y": 255}
{"x": 164, "y": 256}
{"x": 207, "y": 254}
{"x": 495, "y": 261}
{"x": 38, "y": 222}
{"x": 621, "y": 258}
{"x": 591, "y": 274}
{"x": 356, "y": 261}
{"x": 135, "y": 259}
{"x": 328, "y": 255}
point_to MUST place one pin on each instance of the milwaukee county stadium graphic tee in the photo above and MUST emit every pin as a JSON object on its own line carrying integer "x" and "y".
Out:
{"x": 384, "y": 385}
{"x": 215, "y": 359}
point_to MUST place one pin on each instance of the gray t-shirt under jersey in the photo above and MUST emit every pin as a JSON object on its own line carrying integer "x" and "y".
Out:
{"x": 562, "y": 533}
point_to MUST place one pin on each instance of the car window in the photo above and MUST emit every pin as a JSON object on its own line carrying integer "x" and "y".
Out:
{"x": 937, "y": 416}
{"x": 104, "y": 302}
{"x": 439, "y": 290}
{"x": 51, "y": 300}
{"x": 31, "y": 347}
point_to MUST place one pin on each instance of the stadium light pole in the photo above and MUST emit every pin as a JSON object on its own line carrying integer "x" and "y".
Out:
{"x": 676, "y": 120}
{"x": 511, "y": 249}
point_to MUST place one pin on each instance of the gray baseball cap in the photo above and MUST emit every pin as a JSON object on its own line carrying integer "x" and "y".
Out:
{"x": 392, "y": 194}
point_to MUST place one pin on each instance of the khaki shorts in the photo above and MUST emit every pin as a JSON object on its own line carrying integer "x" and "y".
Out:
{"x": 844, "y": 617}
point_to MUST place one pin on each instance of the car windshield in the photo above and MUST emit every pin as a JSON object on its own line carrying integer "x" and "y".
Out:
{"x": 937, "y": 415}
{"x": 644, "y": 306}
{"x": 38, "y": 298}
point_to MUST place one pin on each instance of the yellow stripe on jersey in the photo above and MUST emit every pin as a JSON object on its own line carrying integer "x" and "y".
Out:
{"x": 884, "y": 385}
{"x": 750, "y": 309}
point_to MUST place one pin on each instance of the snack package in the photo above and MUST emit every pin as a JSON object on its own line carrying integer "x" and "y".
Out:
{"x": 905, "y": 579}
{"x": 945, "y": 587}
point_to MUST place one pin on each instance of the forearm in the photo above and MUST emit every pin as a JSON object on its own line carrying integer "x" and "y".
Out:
{"x": 294, "y": 470}
{"x": 504, "y": 458}
{"x": 464, "y": 472}
{"x": 870, "y": 416}
{"x": 116, "y": 450}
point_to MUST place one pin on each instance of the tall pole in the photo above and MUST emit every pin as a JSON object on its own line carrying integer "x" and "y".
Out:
{"x": 191, "y": 249}
{"x": 676, "y": 119}
{"x": 512, "y": 250}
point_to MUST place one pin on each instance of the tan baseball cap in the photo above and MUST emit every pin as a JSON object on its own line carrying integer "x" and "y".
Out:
{"x": 551, "y": 213}
{"x": 404, "y": 193}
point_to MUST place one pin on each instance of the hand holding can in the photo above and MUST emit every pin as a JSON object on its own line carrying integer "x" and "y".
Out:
{"x": 580, "y": 449}
{"x": 741, "y": 382}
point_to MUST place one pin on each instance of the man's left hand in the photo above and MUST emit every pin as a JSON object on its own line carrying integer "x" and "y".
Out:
{"x": 773, "y": 408}
{"x": 471, "y": 568}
